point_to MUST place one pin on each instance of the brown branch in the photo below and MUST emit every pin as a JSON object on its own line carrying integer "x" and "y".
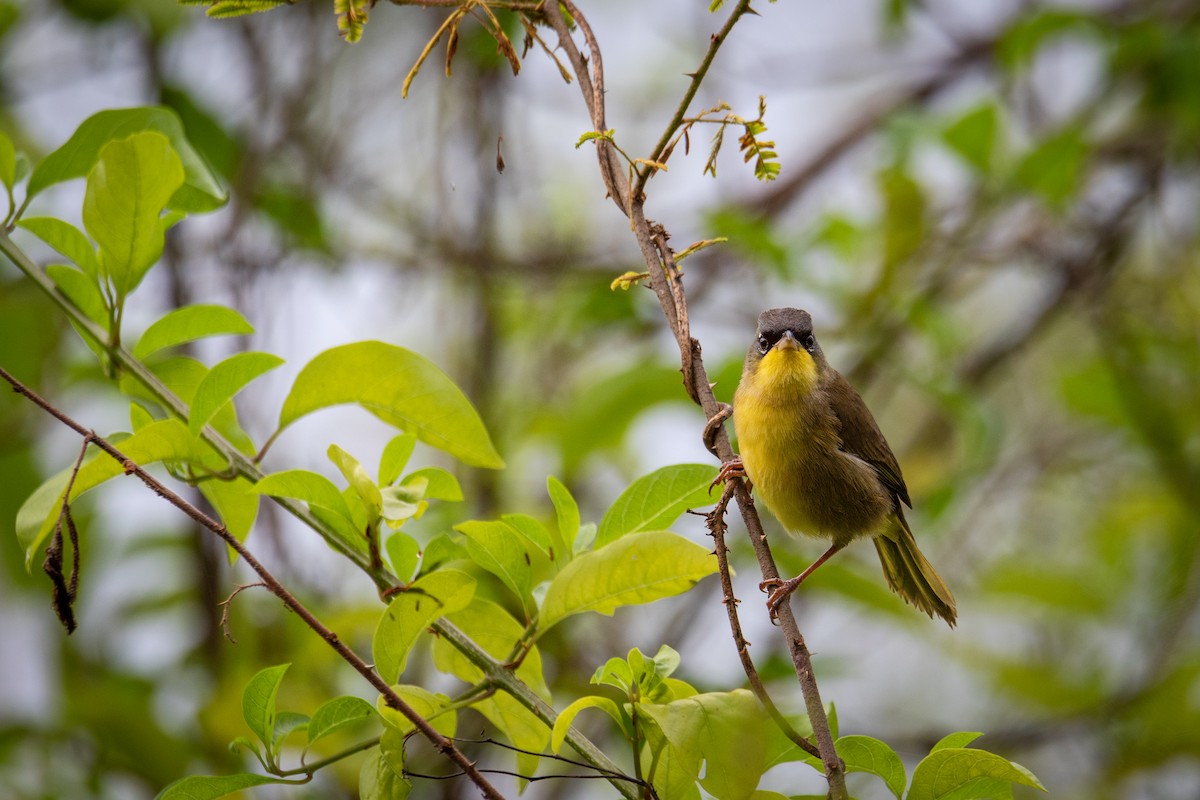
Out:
{"x": 441, "y": 743}
{"x": 715, "y": 522}
{"x": 667, "y": 286}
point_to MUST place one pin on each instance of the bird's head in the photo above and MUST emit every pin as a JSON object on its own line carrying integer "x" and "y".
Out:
{"x": 784, "y": 352}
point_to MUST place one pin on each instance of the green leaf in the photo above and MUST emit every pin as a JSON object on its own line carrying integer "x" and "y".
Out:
{"x": 189, "y": 323}
{"x": 603, "y": 407}
{"x": 653, "y": 502}
{"x": 959, "y": 739}
{"x": 351, "y": 18}
{"x": 139, "y": 417}
{"x": 236, "y": 503}
{"x": 411, "y": 612}
{"x": 401, "y": 388}
{"x": 8, "y": 162}
{"x": 210, "y": 787}
{"x": 224, "y": 9}
{"x": 566, "y": 510}
{"x": 440, "y": 484}
{"x": 402, "y": 503}
{"x": 404, "y": 554}
{"x": 310, "y": 487}
{"x": 395, "y": 456}
{"x": 287, "y": 723}
{"x": 593, "y": 135}
{"x": 441, "y": 550}
{"x": 495, "y": 630}
{"x": 225, "y": 380}
{"x": 224, "y": 422}
{"x": 293, "y": 208}
{"x": 615, "y": 672}
{"x": 502, "y": 551}
{"x": 359, "y": 480}
{"x": 165, "y": 440}
{"x": 865, "y": 754}
{"x": 562, "y": 723}
{"x": 436, "y": 708}
{"x": 1055, "y": 167}
{"x": 67, "y": 240}
{"x": 378, "y": 779}
{"x": 531, "y": 530}
{"x": 127, "y": 190}
{"x": 1030, "y": 32}
{"x": 904, "y": 221}
{"x": 727, "y": 731}
{"x": 199, "y": 191}
{"x": 638, "y": 568}
{"x": 642, "y": 678}
{"x": 1074, "y": 591}
{"x": 336, "y": 714}
{"x": 973, "y": 136}
{"x": 519, "y": 725}
{"x": 954, "y": 773}
{"x": 258, "y": 703}
{"x": 80, "y": 290}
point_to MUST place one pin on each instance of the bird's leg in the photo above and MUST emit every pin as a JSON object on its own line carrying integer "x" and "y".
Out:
{"x": 781, "y": 590}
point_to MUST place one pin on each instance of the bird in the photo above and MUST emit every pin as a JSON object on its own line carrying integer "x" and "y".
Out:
{"x": 815, "y": 456}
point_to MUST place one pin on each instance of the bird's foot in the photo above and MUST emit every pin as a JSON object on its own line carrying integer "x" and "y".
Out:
{"x": 781, "y": 590}
{"x": 733, "y": 468}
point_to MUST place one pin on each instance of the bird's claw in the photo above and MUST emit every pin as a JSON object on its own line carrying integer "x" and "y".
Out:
{"x": 733, "y": 468}
{"x": 780, "y": 591}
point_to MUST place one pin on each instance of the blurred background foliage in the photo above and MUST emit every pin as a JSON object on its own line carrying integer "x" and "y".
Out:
{"x": 991, "y": 210}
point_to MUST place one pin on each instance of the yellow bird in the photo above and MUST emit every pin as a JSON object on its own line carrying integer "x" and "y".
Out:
{"x": 816, "y": 457}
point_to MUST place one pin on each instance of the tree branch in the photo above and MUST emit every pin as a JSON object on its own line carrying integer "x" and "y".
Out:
{"x": 668, "y": 287}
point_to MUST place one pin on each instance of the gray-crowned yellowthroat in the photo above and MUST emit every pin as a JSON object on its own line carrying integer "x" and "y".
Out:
{"x": 816, "y": 457}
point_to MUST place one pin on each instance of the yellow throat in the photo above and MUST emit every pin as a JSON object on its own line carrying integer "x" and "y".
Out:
{"x": 776, "y": 434}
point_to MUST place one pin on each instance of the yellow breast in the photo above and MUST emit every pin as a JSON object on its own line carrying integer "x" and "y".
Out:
{"x": 779, "y": 435}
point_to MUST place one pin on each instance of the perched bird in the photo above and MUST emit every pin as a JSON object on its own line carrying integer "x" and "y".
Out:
{"x": 816, "y": 457}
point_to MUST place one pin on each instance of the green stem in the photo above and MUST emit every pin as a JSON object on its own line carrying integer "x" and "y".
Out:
{"x": 308, "y": 769}
{"x": 637, "y": 747}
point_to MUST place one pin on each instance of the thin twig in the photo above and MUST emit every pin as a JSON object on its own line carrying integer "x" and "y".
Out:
{"x": 697, "y": 77}
{"x": 227, "y": 604}
{"x": 441, "y": 743}
{"x": 551, "y": 756}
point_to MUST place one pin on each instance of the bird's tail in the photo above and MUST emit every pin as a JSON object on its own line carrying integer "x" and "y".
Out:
{"x": 909, "y": 573}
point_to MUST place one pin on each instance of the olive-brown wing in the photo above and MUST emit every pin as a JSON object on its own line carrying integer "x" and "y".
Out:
{"x": 861, "y": 435}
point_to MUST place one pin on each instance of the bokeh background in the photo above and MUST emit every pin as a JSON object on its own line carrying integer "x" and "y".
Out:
{"x": 989, "y": 208}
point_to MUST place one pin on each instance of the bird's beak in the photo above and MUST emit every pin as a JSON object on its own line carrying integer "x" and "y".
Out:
{"x": 787, "y": 342}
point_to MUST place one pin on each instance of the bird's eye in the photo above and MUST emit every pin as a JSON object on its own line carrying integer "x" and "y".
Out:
{"x": 763, "y": 344}
{"x": 809, "y": 342}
